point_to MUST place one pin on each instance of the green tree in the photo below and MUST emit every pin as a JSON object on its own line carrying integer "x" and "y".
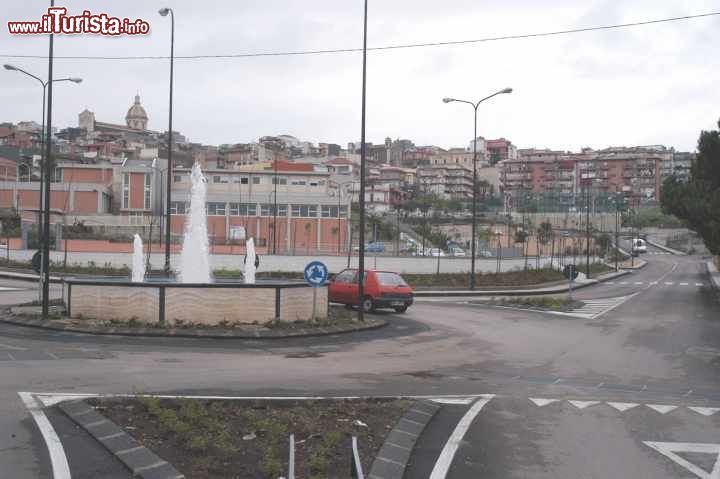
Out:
{"x": 698, "y": 201}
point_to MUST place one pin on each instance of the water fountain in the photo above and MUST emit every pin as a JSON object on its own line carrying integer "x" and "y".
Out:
{"x": 138, "y": 261}
{"x": 194, "y": 259}
{"x": 250, "y": 261}
{"x": 195, "y": 298}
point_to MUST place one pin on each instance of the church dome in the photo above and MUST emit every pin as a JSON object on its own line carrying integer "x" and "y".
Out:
{"x": 136, "y": 116}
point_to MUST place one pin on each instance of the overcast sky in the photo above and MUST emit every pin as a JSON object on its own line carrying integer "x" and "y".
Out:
{"x": 645, "y": 85}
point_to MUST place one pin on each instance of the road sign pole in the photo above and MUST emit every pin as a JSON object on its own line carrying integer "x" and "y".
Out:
{"x": 314, "y": 304}
{"x": 570, "y": 290}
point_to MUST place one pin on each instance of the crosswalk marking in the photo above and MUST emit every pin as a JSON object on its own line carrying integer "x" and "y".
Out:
{"x": 593, "y": 308}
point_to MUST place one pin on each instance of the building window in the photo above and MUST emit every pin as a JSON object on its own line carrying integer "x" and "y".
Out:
{"x": 244, "y": 180}
{"x": 343, "y": 212}
{"x": 298, "y": 182}
{"x": 256, "y": 180}
{"x": 329, "y": 211}
{"x": 280, "y": 180}
{"x": 57, "y": 175}
{"x": 243, "y": 209}
{"x": 215, "y": 209}
{"x": 178, "y": 207}
{"x": 177, "y": 178}
{"x": 267, "y": 209}
{"x": 135, "y": 218}
{"x": 304, "y": 211}
{"x": 126, "y": 190}
{"x": 148, "y": 191}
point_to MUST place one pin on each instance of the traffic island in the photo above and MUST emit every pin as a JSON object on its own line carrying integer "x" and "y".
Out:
{"x": 227, "y": 438}
{"x": 338, "y": 321}
{"x": 541, "y": 304}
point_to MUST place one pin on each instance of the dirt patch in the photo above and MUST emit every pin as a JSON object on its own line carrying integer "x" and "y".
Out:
{"x": 228, "y": 439}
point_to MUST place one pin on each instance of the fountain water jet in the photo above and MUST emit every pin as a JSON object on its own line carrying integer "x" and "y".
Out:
{"x": 249, "y": 262}
{"x": 194, "y": 259}
{"x": 138, "y": 262}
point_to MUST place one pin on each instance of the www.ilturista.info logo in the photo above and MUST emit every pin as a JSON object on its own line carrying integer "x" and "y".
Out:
{"x": 57, "y": 21}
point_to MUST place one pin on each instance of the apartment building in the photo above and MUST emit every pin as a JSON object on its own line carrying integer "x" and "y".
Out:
{"x": 450, "y": 181}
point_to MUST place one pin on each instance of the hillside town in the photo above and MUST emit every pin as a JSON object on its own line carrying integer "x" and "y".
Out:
{"x": 295, "y": 195}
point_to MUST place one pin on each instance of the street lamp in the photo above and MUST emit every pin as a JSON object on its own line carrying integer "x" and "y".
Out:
{"x": 163, "y": 12}
{"x": 43, "y": 206}
{"x": 474, "y": 193}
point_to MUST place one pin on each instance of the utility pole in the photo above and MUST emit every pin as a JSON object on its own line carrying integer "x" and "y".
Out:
{"x": 363, "y": 150}
{"x": 587, "y": 228}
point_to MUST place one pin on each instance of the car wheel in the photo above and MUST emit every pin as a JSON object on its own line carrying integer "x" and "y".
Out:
{"x": 368, "y": 304}
{"x": 401, "y": 309}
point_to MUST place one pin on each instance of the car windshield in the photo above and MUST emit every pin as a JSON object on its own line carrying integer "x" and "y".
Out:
{"x": 390, "y": 279}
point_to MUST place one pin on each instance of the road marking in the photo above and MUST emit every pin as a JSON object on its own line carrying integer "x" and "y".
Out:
{"x": 683, "y": 284}
{"x": 542, "y": 402}
{"x": 12, "y": 348}
{"x": 623, "y": 283}
{"x": 622, "y": 406}
{"x": 705, "y": 411}
{"x": 464, "y": 401}
{"x": 669, "y": 283}
{"x": 60, "y": 467}
{"x": 653, "y": 282}
{"x": 661, "y": 408}
{"x": 448, "y": 453}
{"x": 583, "y": 404}
{"x": 698, "y": 284}
{"x": 609, "y": 282}
{"x": 669, "y": 450}
{"x": 638, "y": 282}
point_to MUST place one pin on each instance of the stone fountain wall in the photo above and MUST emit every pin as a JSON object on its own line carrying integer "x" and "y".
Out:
{"x": 200, "y": 304}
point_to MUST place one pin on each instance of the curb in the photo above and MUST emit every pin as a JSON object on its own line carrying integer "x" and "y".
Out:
{"x": 641, "y": 264}
{"x": 199, "y": 333}
{"x": 665, "y": 248}
{"x": 714, "y": 275}
{"x": 520, "y": 292}
{"x": 141, "y": 461}
{"x": 393, "y": 457}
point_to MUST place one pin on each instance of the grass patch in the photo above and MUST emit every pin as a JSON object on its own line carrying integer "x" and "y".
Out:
{"x": 231, "y": 439}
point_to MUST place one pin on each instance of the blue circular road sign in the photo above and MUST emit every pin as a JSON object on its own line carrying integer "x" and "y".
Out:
{"x": 316, "y": 274}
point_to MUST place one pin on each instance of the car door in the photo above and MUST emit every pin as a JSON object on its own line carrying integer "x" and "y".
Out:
{"x": 340, "y": 287}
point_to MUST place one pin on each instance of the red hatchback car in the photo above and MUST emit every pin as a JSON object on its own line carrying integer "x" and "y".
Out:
{"x": 383, "y": 289}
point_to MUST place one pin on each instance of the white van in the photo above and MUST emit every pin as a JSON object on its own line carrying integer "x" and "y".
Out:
{"x": 639, "y": 246}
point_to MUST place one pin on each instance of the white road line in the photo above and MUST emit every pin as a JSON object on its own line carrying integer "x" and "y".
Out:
{"x": 683, "y": 284}
{"x": 60, "y": 467}
{"x": 448, "y": 453}
{"x": 661, "y": 408}
{"x": 12, "y": 348}
{"x": 669, "y": 283}
{"x": 638, "y": 282}
{"x": 698, "y": 284}
{"x": 669, "y": 450}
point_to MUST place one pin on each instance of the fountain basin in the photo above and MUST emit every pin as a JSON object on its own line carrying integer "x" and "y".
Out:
{"x": 207, "y": 304}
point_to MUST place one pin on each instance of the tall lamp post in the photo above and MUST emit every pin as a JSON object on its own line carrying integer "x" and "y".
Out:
{"x": 361, "y": 195}
{"x": 163, "y": 12}
{"x": 42, "y": 134}
{"x": 474, "y": 192}
{"x": 44, "y": 196}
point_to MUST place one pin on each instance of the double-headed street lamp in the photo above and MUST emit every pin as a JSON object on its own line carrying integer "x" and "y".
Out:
{"x": 474, "y": 192}
{"x": 44, "y": 192}
{"x": 42, "y": 133}
{"x": 163, "y": 12}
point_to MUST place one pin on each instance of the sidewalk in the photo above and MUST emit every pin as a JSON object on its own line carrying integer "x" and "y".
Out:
{"x": 584, "y": 283}
{"x": 665, "y": 248}
{"x": 714, "y": 275}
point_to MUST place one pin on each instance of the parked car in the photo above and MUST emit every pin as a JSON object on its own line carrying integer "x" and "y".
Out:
{"x": 382, "y": 289}
{"x": 458, "y": 252}
{"x": 375, "y": 247}
{"x": 435, "y": 252}
{"x": 639, "y": 246}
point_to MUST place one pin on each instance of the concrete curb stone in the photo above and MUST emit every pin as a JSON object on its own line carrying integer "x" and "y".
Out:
{"x": 392, "y": 459}
{"x": 369, "y": 324}
{"x": 141, "y": 461}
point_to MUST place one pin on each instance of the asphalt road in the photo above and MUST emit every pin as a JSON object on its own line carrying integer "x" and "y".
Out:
{"x": 654, "y": 343}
